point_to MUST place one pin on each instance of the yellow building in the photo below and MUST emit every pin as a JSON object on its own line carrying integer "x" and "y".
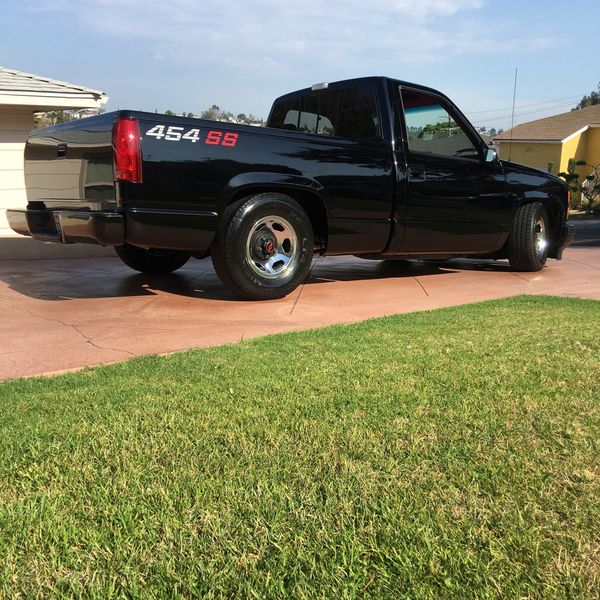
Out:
{"x": 549, "y": 143}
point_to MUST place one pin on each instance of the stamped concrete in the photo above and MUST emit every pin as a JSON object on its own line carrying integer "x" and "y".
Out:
{"x": 63, "y": 314}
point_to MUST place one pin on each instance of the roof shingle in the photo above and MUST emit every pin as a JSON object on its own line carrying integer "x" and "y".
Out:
{"x": 16, "y": 82}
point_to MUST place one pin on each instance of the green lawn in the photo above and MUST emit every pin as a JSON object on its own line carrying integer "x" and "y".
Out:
{"x": 444, "y": 454}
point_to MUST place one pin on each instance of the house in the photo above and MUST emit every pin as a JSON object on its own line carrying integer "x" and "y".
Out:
{"x": 22, "y": 95}
{"x": 549, "y": 143}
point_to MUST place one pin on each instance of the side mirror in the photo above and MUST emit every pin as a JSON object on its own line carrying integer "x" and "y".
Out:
{"x": 491, "y": 156}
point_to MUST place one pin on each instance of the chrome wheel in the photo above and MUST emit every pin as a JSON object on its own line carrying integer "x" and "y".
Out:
{"x": 272, "y": 248}
{"x": 541, "y": 243}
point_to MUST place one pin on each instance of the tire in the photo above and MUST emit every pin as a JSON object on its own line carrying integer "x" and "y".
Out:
{"x": 264, "y": 247}
{"x": 528, "y": 241}
{"x": 152, "y": 260}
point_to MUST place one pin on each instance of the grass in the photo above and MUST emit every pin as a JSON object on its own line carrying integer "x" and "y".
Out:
{"x": 444, "y": 454}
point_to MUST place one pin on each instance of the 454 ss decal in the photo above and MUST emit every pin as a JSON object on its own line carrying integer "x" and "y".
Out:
{"x": 177, "y": 134}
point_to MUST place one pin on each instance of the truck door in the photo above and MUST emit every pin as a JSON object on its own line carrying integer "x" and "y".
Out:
{"x": 455, "y": 201}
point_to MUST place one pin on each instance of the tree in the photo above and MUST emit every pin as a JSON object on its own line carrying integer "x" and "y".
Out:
{"x": 493, "y": 132}
{"x": 52, "y": 117}
{"x": 440, "y": 128}
{"x": 169, "y": 113}
{"x": 591, "y": 100}
{"x": 241, "y": 118}
{"x": 572, "y": 179}
{"x": 212, "y": 113}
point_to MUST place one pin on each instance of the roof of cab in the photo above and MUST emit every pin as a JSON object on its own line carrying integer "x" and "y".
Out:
{"x": 358, "y": 80}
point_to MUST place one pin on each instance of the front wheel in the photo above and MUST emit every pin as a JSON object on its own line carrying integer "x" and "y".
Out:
{"x": 528, "y": 242}
{"x": 152, "y": 260}
{"x": 264, "y": 247}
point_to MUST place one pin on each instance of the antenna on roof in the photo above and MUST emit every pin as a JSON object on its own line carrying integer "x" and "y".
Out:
{"x": 512, "y": 119}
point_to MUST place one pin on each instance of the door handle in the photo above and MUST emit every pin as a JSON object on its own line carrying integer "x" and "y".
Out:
{"x": 416, "y": 173}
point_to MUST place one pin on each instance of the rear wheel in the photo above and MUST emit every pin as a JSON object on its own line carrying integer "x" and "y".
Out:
{"x": 152, "y": 260}
{"x": 528, "y": 242}
{"x": 264, "y": 247}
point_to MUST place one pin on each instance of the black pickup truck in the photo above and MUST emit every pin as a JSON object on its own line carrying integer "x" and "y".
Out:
{"x": 375, "y": 167}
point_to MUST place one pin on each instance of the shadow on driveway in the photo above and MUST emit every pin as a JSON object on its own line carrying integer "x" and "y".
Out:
{"x": 109, "y": 278}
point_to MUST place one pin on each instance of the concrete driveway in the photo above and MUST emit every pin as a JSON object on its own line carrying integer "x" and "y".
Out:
{"x": 63, "y": 314}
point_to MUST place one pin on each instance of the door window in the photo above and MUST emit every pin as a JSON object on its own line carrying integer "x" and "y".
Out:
{"x": 432, "y": 129}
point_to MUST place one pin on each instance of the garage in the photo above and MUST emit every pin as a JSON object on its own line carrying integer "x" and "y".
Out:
{"x": 22, "y": 95}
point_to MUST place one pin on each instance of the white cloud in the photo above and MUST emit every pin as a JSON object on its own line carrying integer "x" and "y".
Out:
{"x": 245, "y": 34}
{"x": 421, "y": 9}
{"x": 198, "y": 52}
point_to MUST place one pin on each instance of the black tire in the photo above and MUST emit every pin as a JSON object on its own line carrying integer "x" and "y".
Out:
{"x": 528, "y": 241}
{"x": 152, "y": 260}
{"x": 264, "y": 247}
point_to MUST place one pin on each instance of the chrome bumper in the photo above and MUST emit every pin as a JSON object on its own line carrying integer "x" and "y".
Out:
{"x": 69, "y": 227}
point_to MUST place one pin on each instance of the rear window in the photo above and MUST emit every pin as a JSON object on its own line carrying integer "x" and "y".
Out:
{"x": 349, "y": 112}
{"x": 286, "y": 114}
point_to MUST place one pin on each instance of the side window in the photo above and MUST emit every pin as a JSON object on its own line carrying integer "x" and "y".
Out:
{"x": 431, "y": 128}
{"x": 343, "y": 112}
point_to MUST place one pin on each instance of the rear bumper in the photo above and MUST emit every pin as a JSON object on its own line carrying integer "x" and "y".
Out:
{"x": 566, "y": 237}
{"x": 69, "y": 227}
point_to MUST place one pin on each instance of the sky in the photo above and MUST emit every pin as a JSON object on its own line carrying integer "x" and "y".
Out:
{"x": 186, "y": 55}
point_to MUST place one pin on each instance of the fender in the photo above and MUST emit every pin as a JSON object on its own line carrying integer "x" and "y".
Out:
{"x": 306, "y": 191}
{"x": 251, "y": 181}
{"x": 556, "y": 209}
{"x": 526, "y": 185}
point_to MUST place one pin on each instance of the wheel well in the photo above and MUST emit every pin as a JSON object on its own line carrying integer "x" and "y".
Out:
{"x": 311, "y": 203}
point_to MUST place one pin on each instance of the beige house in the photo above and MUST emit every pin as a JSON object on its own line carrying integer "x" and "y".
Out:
{"x": 549, "y": 143}
{"x": 22, "y": 95}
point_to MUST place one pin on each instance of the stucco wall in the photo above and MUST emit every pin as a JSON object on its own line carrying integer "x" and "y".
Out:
{"x": 585, "y": 146}
{"x": 574, "y": 148}
{"x": 593, "y": 146}
{"x": 534, "y": 155}
{"x": 14, "y": 128}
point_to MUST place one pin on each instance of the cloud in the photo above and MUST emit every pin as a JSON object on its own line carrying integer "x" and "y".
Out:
{"x": 422, "y": 9}
{"x": 336, "y": 35}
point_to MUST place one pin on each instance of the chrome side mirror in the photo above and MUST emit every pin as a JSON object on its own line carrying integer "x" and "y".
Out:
{"x": 491, "y": 155}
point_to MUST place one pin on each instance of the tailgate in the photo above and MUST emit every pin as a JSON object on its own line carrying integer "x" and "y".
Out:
{"x": 70, "y": 165}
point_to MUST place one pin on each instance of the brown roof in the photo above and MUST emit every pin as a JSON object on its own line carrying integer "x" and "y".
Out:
{"x": 554, "y": 128}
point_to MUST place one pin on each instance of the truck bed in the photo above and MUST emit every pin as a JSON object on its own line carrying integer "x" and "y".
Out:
{"x": 188, "y": 182}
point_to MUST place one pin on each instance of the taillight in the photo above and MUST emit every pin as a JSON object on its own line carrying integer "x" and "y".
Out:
{"x": 568, "y": 204}
{"x": 127, "y": 150}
